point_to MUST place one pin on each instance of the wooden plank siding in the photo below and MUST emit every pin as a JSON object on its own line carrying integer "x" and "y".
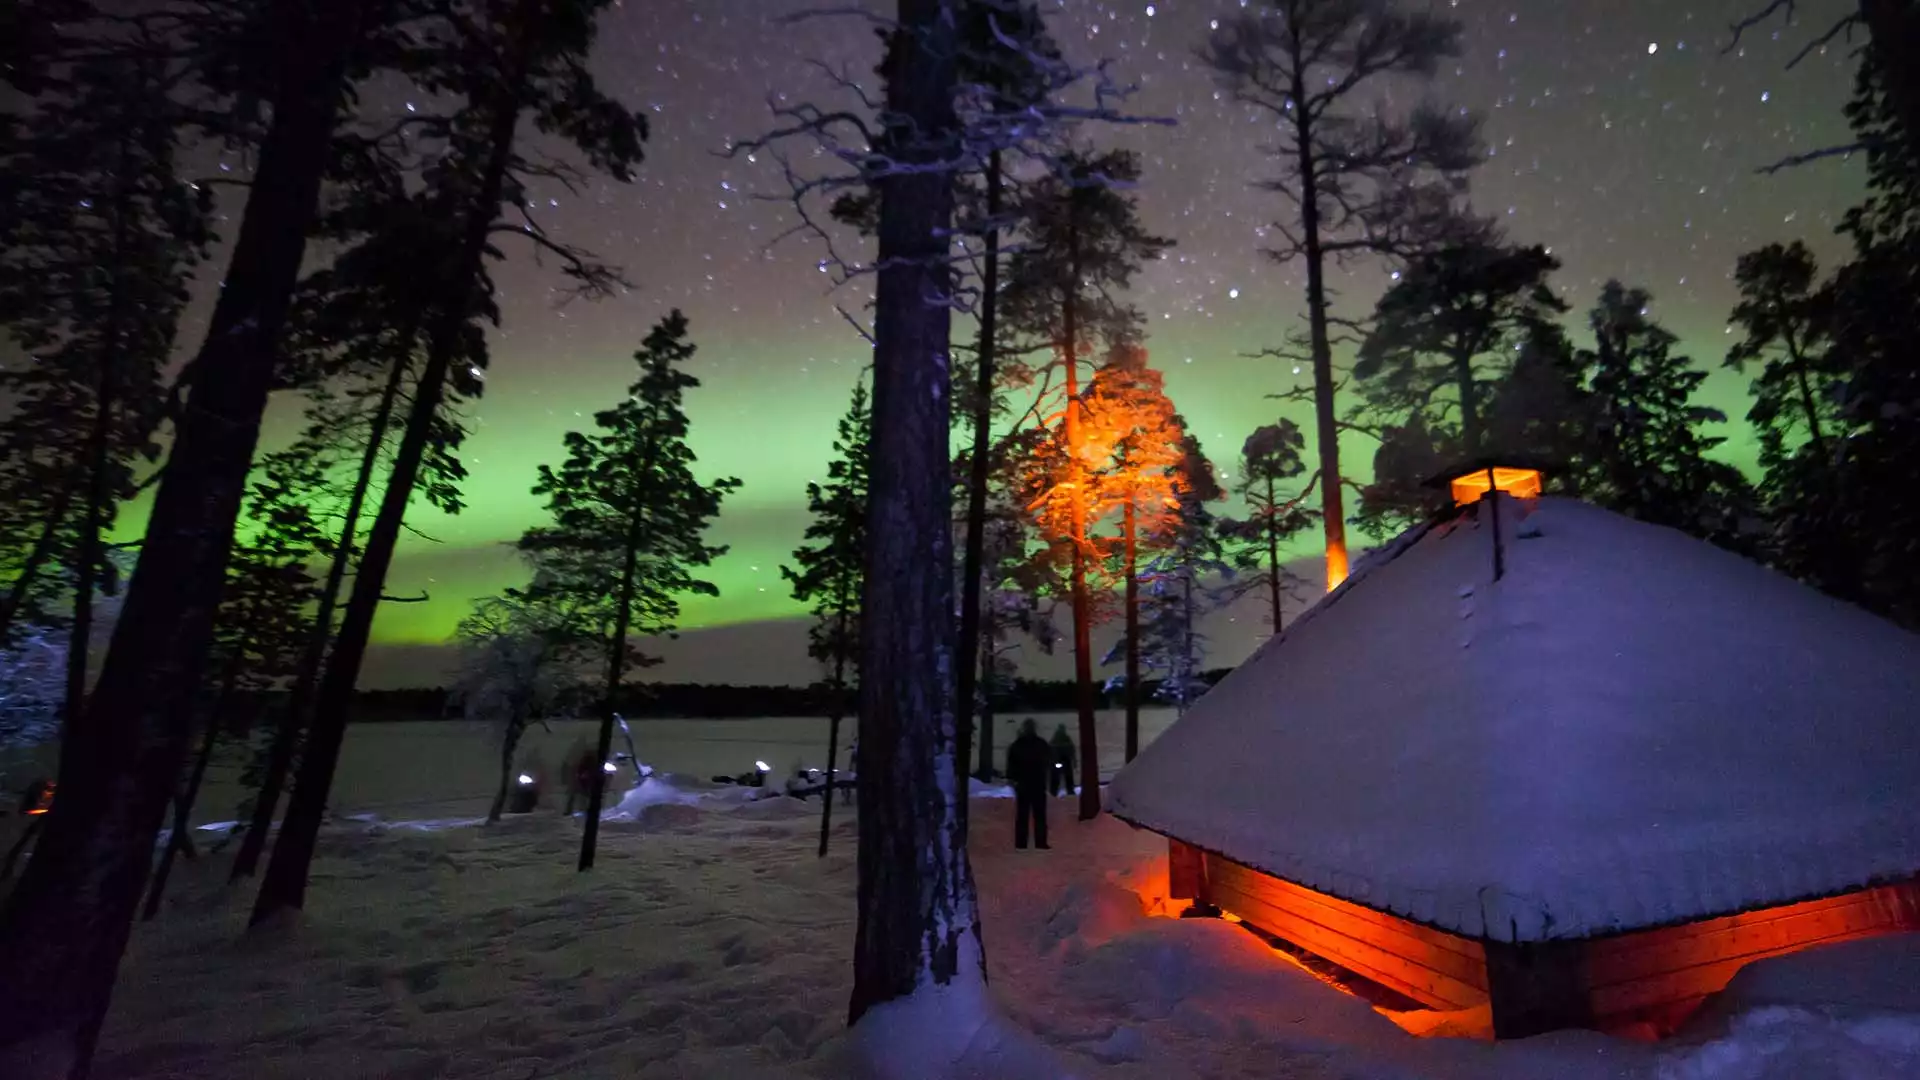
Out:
{"x": 1647, "y": 969}
{"x": 1612, "y": 983}
{"x": 1436, "y": 969}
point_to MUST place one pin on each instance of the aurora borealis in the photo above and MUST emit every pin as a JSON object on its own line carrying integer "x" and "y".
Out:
{"x": 1618, "y": 134}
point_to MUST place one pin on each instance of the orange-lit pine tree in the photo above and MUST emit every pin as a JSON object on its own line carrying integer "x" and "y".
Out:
{"x": 1129, "y": 410}
{"x": 1082, "y": 242}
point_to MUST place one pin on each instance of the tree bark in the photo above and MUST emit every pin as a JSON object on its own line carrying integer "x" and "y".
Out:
{"x": 833, "y": 732}
{"x": 179, "y": 840}
{"x": 1133, "y": 633}
{"x": 616, "y": 670}
{"x": 971, "y": 585}
{"x": 286, "y": 734}
{"x": 66, "y": 925}
{"x": 285, "y": 883}
{"x": 985, "y": 727}
{"x": 918, "y": 914}
{"x": 1272, "y": 529}
{"x": 1326, "y": 423}
{"x": 1077, "y": 584}
{"x": 508, "y": 744}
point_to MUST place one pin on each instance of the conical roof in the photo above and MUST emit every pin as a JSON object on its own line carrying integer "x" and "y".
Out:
{"x": 1631, "y": 728}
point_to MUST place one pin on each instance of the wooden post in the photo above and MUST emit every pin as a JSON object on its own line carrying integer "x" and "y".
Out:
{"x": 1493, "y": 503}
{"x": 1536, "y": 987}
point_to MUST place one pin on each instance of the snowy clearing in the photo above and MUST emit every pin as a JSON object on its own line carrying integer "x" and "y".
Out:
{"x": 710, "y": 942}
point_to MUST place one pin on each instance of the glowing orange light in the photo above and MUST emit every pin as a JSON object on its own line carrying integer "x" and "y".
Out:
{"x": 42, "y": 802}
{"x": 1336, "y": 565}
{"x": 1519, "y": 483}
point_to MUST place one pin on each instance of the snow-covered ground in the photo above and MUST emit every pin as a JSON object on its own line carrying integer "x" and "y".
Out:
{"x": 711, "y": 942}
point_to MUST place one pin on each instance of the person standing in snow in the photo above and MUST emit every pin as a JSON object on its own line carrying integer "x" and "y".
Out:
{"x": 1029, "y": 760}
{"x": 1061, "y": 775}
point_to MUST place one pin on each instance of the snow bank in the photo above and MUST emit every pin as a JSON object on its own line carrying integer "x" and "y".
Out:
{"x": 1630, "y": 728}
{"x": 953, "y": 1031}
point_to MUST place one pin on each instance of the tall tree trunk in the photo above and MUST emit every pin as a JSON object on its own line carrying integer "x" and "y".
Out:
{"x": 1272, "y": 529}
{"x": 1326, "y": 423}
{"x": 179, "y": 840}
{"x": 65, "y": 926}
{"x": 616, "y": 671}
{"x": 918, "y": 914}
{"x": 285, "y": 883}
{"x": 833, "y": 726}
{"x": 508, "y": 744}
{"x": 1077, "y": 584}
{"x": 1894, "y": 27}
{"x": 99, "y": 453}
{"x": 1470, "y": 430}
{"x": 37, "y": 558}
{"x": 286, "y": 734}
{"x": 971, "y": 571}
{"x": 988, "y": 685}
{"x": 1133, "y": 633}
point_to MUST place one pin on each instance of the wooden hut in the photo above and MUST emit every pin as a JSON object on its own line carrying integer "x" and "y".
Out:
{"x": 1541, "y": 757}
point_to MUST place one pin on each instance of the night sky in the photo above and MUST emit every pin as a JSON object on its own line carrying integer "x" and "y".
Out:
{"x": 1618, "y": 133}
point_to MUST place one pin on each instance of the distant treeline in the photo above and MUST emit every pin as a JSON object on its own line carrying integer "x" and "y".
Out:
{"x": 719, "y": 702}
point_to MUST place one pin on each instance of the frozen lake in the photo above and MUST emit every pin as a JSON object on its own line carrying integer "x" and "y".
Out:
{"x": 447, "y": 768}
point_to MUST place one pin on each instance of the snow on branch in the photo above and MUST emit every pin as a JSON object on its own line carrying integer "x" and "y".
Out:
{"x": 1015, "y": 97}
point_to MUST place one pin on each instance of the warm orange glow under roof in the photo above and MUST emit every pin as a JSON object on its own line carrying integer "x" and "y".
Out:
{"x": 1519, "y": 483}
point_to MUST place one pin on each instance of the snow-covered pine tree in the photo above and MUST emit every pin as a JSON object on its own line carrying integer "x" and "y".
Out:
{"x": 829, "y": 573}
{"x": 629, "y": 526}
{"x": 516, "y": 654}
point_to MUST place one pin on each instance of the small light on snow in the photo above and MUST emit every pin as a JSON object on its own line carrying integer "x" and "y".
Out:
{"x": 608, "y": 766}
{"x": 763, "y": 766}
{"x": 1149, "y": 11}
{"x": 525, "y": 779}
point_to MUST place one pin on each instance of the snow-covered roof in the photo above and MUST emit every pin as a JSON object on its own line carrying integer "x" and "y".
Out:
{"x": 1630, "y": 728}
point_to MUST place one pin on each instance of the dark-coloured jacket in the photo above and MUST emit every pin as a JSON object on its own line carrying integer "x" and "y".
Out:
{"x": 1029, "y": 760}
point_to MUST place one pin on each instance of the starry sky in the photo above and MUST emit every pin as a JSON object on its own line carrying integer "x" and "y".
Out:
{"x": 1618, "y": 134}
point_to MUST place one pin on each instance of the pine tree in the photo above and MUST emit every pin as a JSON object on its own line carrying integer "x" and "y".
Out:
{"x": 1542, "y": 410}
{"x": 1128, "y": 404}
{"x": 64, "y": 927}
{"x": 1360, "y": 182}
{"x": 92, "y": 285}
{"x": 1444, "y": 336}
{"x": 1782, "y": 314}
{"x": 1083, "y": 243}
{"x": 516, "y": 654}
{"x": 629, "y": 516}
{"x": 265, "y": 613}
{"x": 1189, "y": 575}
{"x": 829, "y": 571}
{"x": 1010, "y": 61}
{"x": 505, "y": 63}
{"x": 1650, "y": 457}
{"x": 1269, "y": 458}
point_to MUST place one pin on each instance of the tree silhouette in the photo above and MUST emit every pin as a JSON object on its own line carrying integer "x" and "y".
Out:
{"x": 628, "y": 514}
{"x": 1649, "y": 456}
{"x": 829, "y": 571}
{"x": 516, "y": 654}
{"x": 1443, "y": 336}
{"x": 503, "y": 64}
{"x": 1269, "y": 458}
{"x": 1359, "y": 181}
